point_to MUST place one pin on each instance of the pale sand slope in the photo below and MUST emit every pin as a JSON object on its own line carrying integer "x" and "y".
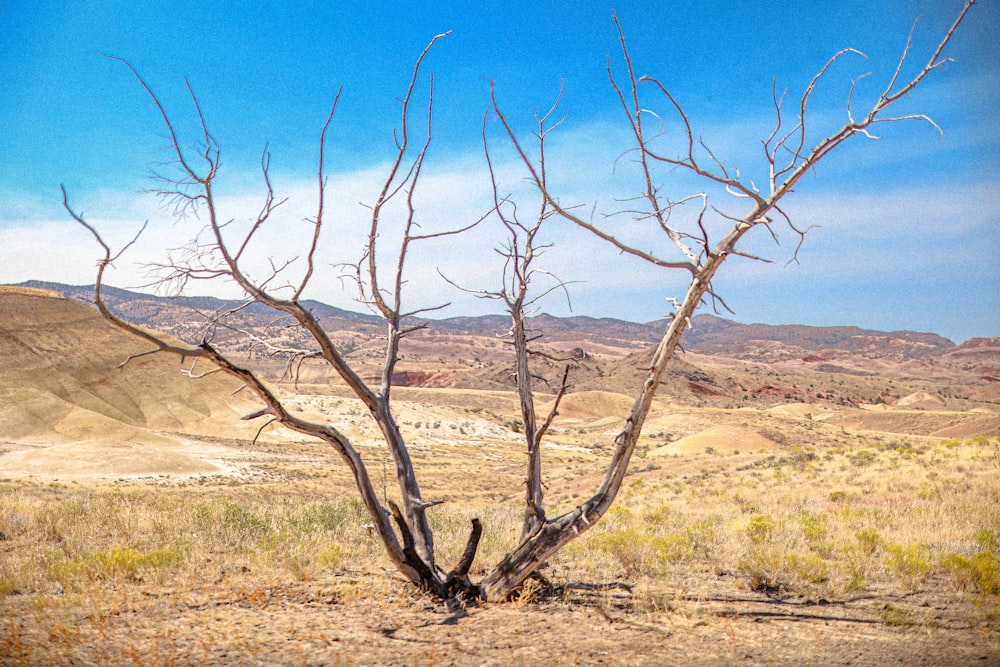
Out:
{"x": 66, "y": 409}
{"x": 719, "y": 439}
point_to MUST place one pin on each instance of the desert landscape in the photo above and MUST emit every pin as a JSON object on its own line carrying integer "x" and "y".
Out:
{"x": 800, "y": 495}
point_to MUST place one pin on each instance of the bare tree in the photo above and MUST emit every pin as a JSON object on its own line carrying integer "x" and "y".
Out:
{"x": 223, "y": 256}
{"x": 695, "y": 252}
{"x": 405, "y": 531}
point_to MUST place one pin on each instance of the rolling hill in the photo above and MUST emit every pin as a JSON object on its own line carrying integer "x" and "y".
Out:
{"x": 709, "y": 335}
{"x": 724, "y": 363}
{"x": 69, "y": 406}
{"x": 61, "y": 385}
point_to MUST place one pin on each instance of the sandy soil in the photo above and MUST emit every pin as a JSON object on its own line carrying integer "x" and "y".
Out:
{"x": 370, "y": 616}
{"x": 709, "y": 622}
{"x": 82, "y": 427}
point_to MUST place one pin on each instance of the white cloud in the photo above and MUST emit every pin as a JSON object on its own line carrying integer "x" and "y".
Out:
{"x": 903, "y": 231}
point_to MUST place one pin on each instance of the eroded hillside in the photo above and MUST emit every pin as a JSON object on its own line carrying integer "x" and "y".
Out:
{"x": 62, "y": 383}
{"x": 723, "y": 363}
{"x": 70, "y": 405}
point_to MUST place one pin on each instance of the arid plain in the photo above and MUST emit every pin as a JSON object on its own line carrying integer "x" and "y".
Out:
{"x": 810, "y": 497}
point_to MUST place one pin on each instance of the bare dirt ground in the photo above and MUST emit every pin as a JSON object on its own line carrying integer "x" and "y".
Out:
{"x": 236, "y": 622}
{"x": 235, "y": 612}
{"x": 145, "y": 528}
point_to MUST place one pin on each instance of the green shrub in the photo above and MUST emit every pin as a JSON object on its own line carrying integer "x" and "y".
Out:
{"x": 980, "y": 573}
{"x": 863, "y": 457}
{"x": 675, "y": 548}
{"x": 637, "y": 552}
{"x": 857, "y": 560}
{"x": 760, "y": 527}
{"x": 856, "y": 563}
{"x": 987, "y": 540}
{"x": 703, "y": 536}
{"x": 330, "y": 516}
{"x": 908, "y": 562}
{"x": 329, "y": 555}
{"x": 659, "y": 516}
{"x": 237, "y": 525}
{"x": 868, "y": 540}
{"x": 896, "y": 616}
{"x": 807, "y": 567}
{"x": 814, "y": 528}
{"x": 123, "y": 562}
{"x": 619, "y": 513}
{"x": 763, "y": 569}
{"x": 769, "y": 569}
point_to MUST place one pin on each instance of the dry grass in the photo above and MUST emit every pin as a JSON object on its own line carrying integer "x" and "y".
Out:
{"x": 139, "y": 525}
{"x": 822, "y": 524}
{"x": 901, "y": 531}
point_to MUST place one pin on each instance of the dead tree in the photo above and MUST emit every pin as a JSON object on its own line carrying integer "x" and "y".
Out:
{"x": 405, "y": 531}
{"x": 693, "y": 250}
{"x": 223, "y": 256}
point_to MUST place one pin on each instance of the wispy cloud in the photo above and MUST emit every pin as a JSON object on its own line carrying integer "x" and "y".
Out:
{"x": 904, "y": 231}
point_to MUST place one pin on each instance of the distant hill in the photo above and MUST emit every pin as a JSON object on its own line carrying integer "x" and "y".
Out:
{"x": 714, "y": 335}
{"x": 184, "y": 317}
{"x": 177, "y": 315}
{"x": 62, "y": 380}
{"x": 59, "y": 376}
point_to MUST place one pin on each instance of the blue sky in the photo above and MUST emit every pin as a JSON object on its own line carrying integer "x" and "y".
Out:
{"x": 907, "y": 228}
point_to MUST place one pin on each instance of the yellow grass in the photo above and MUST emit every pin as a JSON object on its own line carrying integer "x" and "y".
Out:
{"x": 140, "y": 531}
{"x": 880, "y": 519}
